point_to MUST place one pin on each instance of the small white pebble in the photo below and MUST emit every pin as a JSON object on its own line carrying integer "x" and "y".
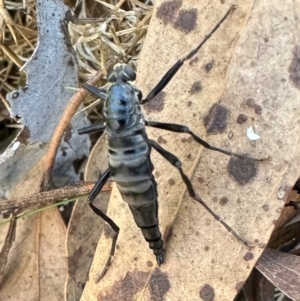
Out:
{"x": 280, "y": 194}
{"x": 15, "y": 146}
{"x": 251, "y": 135}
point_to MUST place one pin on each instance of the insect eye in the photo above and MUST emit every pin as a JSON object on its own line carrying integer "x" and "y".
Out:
{"x": 129, "y": 73}
{"x": 121, "y": 72}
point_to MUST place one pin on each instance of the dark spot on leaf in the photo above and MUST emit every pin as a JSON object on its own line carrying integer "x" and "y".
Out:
{"x": 159, "y": 285}
{"x": 186, "y": 20}
{"x": 266, "y": 40}
{"x": 193, "y": 61}
{"x": 206, "y": 248}
{"x": 248, "y": 256}
{"x": 216, "y": 120}
{"x": 161, "y": 140}
{"x": 126, "y": 288}
{"x": 208, "y": 66}
{"x": 257, "y": 109}
{"x": 250, "y": 102}
{"x": 207, "y": 293}
{"x": 157, "y": 174}
{"x": 135, "y": 259}
{"x": 241, "y": 119}
{"x": 200, "y": 180}
{"x": 189, "y": 140}
{"x": 265, "y": 207}
{"x": 223, "y": 201}
{"x": 189, "y": 103}
{"x": 149, "y": 263}
{"x": 167, "y": 11}
{"x": 156, "y": 104}
{"x": 222, "y": 1}
{"x": 196, "y": 87}
{"x": 242, "y": 170}
{"x": 171, "y": 181}
{"x": 294, "y": 68}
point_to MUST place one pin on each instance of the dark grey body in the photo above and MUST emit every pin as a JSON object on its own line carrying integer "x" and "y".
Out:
{"x": 129, "y": 150}
{"x": 129, "y": 159}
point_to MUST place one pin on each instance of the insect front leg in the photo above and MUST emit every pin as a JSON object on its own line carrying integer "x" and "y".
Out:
{"x": 92, "y": 129}
{"x": 176, "y": 163}
{"x": 100, "y": 93}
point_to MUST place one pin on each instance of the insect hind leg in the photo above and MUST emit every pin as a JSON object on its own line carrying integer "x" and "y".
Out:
{"x": 176, "y": 163}
{"x": 95, "y": 191}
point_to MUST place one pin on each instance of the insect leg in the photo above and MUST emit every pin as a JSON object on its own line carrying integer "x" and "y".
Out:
{"x": 178, "y": 128}
{"x": 176, "y": 163}
{"x": 92, "y": 129}
{"x": 173, "y": 70}
{"x": 96, "y": 189}
{"x": 101, "y": 93}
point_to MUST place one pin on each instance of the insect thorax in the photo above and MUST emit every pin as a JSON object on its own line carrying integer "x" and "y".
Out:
{"x": 122, "y": 109}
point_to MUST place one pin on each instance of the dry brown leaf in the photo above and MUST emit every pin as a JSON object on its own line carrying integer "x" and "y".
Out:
{"x": 37, "y": 266}
{"x": 283, "y": 270}
{"x": 248, "y": 73}
{"x": 85, "y": 227}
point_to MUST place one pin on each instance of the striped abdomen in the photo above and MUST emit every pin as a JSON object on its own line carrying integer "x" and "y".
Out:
{"x": 131, "y": 169}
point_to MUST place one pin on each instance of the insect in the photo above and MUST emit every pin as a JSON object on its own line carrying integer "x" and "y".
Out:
{"x": 129, "y": 150}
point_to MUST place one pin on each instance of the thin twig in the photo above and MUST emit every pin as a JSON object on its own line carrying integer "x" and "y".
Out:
{"x": 51, "y": 196}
